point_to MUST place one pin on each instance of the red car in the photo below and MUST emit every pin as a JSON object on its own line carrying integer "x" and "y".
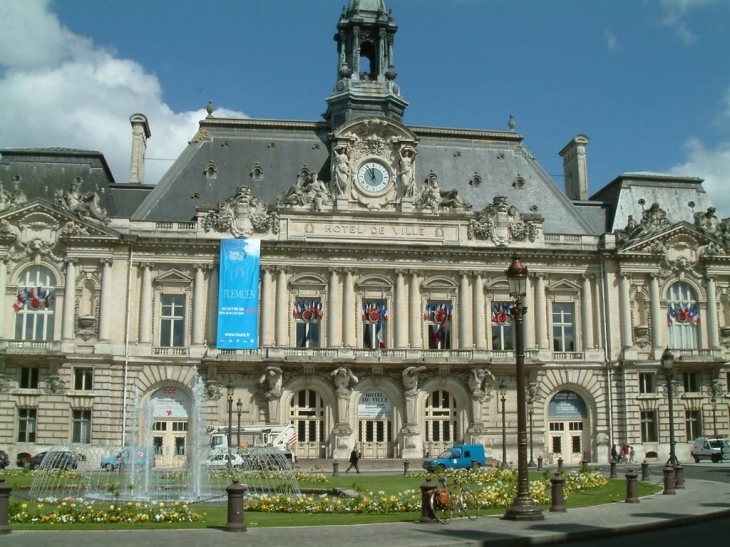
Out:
{"x": 22, "y": 458}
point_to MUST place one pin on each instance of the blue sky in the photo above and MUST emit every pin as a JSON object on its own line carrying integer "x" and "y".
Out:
{"x": 647, "y": 81}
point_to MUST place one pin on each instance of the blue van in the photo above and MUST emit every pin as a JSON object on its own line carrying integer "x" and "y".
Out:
{"x": 460, "y": 456}
{"x": 138, "y": 456}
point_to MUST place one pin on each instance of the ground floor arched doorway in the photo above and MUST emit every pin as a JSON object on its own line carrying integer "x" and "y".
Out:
{"x": 568, "y": 428}
{"x": 375, "y": 425}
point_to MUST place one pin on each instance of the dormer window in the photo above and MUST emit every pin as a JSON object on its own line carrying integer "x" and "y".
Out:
{"x": 211, "y": 171}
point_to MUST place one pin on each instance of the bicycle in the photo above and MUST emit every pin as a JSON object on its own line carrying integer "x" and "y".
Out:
{"x": 445, "y": 507}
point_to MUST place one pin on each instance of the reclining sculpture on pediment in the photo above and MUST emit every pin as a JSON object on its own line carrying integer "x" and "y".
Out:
{"x": 503, "y": 223}
{"x": 431, "y": 198}
{"x": 8, "y": 200}
{"x": 653, "y": 220}
{"x": 242, "y": 214}
{"x": 86, "y": 205}
{"x": 308, "y": 193}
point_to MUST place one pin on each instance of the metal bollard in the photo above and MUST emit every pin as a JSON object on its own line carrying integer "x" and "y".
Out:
{"x": 560, "y": 465}
{"x": 406, "y": 465}
{"x": 668, "y": 480}
{"x": 613, "y": 474}
{"x": 679, "y": 477}
{"x": 235, "y": 508}
{"x": 645, "y": 471}
{"x": 539, "y": 463}
{"x": 558, "y": 494}
{"x": 426, "y": 515}
{"x": 632, "y": 489}
{"x": 4, "y": 501}
{"x": 335, "y": 468}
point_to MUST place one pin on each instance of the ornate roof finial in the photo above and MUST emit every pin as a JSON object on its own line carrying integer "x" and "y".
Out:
{"x": 511, "y": 123}
{"x": 210, "y": 108}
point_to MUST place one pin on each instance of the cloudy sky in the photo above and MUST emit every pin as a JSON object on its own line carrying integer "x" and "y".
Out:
{"x": 648, "y": 81}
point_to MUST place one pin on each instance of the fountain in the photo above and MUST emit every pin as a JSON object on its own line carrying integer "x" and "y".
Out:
{"x": 136, "y": 473}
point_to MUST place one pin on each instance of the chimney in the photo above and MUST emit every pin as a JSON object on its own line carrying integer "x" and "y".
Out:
{"x": 576, "y": 168}
{"x": 140, "y": 134}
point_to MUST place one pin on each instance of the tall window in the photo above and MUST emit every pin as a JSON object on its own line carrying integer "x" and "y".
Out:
{"x": 28, "y": 378}
{"x": 563, "y": 332}
{"x": 172, "y": 320}
{"x": 35, "y": 304}
{"x": 81, "y": 428}
{"x": 83, "y": 379}
{"x": 648, "y": 426}
{"x": 502, "y": 326}
{"x": 691, "y": 382}
{"x": 683, "y": 317}
{"x": 438, "y": 316}
{"x": 693, "y": 424}
{"x": 647, "y": 382}
{"x": 374, "y": 324}
{"x": 308, "y": 315}
{"x": 27, "y": 425}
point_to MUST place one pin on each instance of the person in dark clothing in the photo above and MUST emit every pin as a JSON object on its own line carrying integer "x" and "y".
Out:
{"x": 614, "y": 453}
{"x": 354, "y": 458}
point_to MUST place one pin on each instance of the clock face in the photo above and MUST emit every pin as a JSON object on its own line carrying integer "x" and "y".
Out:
{"x": 373, "y": 176}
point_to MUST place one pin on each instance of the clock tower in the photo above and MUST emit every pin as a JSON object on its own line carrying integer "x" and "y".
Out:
{"x": 366, "y": 73}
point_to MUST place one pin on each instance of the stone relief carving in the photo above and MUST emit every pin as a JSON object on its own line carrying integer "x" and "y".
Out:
{"x": 242, "y": 214}
{"x": 503, "y": 224}
{"x": 213, "y": 389}
{"x": 709, "y": 223}
{"x": 343, "y": 378}
{"x": 477, "y": 382}
{"x": 411, "y": 376}
{"x": 55, "y": 384}
{"x": 86, "y": 205}
{"x": 431, "y": 198}
{"x": 653, "y": 220}
{"x": 272, "y": 378}
{"x": 6, "y": 384}
{"x": 308, "y": 192}
{"x": 8, "y": 200}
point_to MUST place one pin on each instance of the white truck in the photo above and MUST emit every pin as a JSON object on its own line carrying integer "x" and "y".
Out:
{"x": 281, "y": 436}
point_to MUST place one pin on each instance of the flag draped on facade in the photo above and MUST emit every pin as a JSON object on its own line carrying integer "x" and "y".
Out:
{"x": 679, "y": 313}
{"x": 34, "y": 298}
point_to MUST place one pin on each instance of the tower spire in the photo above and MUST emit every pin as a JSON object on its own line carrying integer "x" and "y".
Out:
{"x": 365, "y": 84}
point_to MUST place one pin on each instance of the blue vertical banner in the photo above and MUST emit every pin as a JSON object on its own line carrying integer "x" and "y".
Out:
{"x": 238, "y": 296}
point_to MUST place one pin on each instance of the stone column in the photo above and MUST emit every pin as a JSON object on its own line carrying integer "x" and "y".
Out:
{"x": 282, "y": 307}
{"x": 480, "y": 332}
{"x": 713, "y": 337}
{"x": 466, "y": 338}
{"x": 213, "y": 296}
{"x": 267, "y": 307}
{"x": 587, "y": 313}
{"x": 199, "y": 305}
{"x": 145, "y": 304}
{"x": 69, "y": 301}
{"x": 107, "y": 290}
{"x": 540, "y": 312}
{"x": 414, "y": 311}
{"x": 531, "y": 316}
{"x": 400, "y": 314}
{"x": 334, "y": 311}
{"x": 657, "y": 322}
{"x": 624, "y": 305}
{"x": 348, "y": 309}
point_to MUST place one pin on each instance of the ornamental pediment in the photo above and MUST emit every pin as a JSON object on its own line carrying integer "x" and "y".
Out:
{"x": 173, "y": 277}
{"x": 680, "y": 241}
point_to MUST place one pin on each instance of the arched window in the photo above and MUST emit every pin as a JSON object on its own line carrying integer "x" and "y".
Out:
{"x": 35, "y": 304}
{"x": 307, "y": 415}
{"x": 441, "y": 421}
{"x": 683, "y": 316}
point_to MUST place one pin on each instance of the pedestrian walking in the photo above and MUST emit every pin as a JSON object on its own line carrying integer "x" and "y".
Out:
{"x": 614, "y": 453}
{"x": 354, "y": 458}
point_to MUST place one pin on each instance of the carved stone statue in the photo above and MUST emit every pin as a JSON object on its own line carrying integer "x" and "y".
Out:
{"x": 273, "y": 378}
{"x": 709, "y": 222}
{"x": 411, "y": 376}
{"x": 341, "y": 170}
{"x": 433, "y": 198}
{"x": 407, "y": 172}
{"x": 242, "y": 214}
{"x": 343, "y": 378}
{"x": 477, "y": 379}
{"x": 85, "y": 205}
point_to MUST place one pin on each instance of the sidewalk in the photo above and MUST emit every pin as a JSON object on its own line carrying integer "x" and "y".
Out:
{"x": 701, "y": 500}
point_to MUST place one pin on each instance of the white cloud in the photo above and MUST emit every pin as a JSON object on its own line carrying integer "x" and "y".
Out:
{"x": 611, "y": 40}
{"x": 711, "y": 165}
{"x": 674, "y": 13}
{"x": 59, "y": 89}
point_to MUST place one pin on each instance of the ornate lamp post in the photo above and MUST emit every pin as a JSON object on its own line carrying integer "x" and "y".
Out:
{"x": 668, "y": 366}
{"x": 503, "y": 395}
{"x": 229, "y": 390}
{"x": 523, "y": 507}
{"x": 530, "y": 410}
{"x": 239, "y": 409}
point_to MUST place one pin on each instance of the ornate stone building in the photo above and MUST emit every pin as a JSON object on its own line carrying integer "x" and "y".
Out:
{"x": 384, "y": 309}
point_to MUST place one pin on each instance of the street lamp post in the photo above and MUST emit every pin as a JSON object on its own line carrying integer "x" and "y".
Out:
{"x": 239, "y": 409}
{"x": 229, "y": 390}
{"x": 503, "y": 395}
{"x": 668, "y": 366}
{"x": 523, "y": 507}
{"x": 716, "y": 391}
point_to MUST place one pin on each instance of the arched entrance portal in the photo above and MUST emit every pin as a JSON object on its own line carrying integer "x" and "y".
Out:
{"x": 441, "y": 422}
{"x": 568, "y": 428}
{"x": 170, "y": 408}
{"x": 307, "y": 414}
{"x": 375, "y": 425}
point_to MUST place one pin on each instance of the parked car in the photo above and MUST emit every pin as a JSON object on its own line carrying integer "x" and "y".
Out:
{"x": 53, "y": 460}
{"x": 220, "y": 461}
{"x": 710, "y": 448}
{"x": 4, "y": 459}
{"x": 22, "y": 458}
